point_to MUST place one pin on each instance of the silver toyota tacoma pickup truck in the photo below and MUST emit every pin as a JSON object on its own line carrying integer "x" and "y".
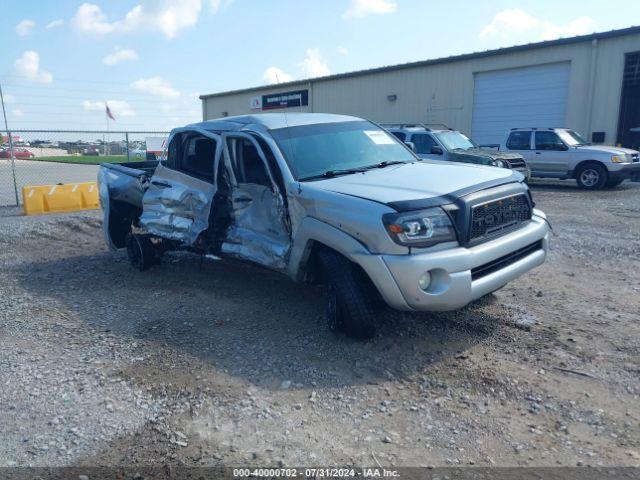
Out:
{"x": 330, "y": 199}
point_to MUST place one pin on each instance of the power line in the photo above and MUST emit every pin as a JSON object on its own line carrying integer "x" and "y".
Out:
{"x": 76, "y": 80}
{"x": 103, "y": 92}
{"x": 42, "y": 107}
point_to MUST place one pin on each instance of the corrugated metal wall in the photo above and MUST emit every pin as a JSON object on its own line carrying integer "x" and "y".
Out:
{"x": 444, "y": 92}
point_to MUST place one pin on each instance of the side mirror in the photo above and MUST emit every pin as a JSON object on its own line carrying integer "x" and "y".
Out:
{"x": 563, "y": 148}
{"x": 436, "y": 150}
{"x": 411, "y": 145}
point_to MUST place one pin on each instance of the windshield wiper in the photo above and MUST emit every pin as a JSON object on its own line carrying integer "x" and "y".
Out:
{"x": 334, "y": 173}
{"x": 349, "y": 171}
{"x": 384, "y": 164}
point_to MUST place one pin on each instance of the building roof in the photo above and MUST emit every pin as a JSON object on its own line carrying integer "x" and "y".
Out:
{"x": 454, "y": 58}
{"x": 272, "y": 121}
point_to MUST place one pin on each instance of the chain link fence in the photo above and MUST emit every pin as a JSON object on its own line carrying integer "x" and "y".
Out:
{"x": 47, "y": 157}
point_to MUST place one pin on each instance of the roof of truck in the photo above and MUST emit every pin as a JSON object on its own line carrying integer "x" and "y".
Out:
{"x": 272, "y": 121}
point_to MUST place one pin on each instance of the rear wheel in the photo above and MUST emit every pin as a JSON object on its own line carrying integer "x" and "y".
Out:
{"x": 141, "y": 252}
{"x": 350, "y": 303}
{"x": 592, "y": 176}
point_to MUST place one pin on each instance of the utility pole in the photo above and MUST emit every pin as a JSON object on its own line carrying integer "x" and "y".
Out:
{"x": 11, "y": 153}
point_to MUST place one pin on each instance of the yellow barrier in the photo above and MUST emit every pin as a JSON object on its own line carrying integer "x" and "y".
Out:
{"x": 70, "y": 197}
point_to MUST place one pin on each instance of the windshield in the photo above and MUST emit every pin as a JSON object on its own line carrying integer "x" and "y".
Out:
{"x": 571, "y": 137}
{"x": 454, "y": 140}
{"x": 314, "y": 150}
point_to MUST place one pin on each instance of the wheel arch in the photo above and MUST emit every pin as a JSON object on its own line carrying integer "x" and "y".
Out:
{"x": 584, "y": 163}
{"x": 118, "y": 218}
{"x": 314, "y": 235}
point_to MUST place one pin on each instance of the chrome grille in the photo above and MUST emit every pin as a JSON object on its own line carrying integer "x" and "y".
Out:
{"x": 635, "y": 158}
{"x": 494, "y": 218}
{"x": 516, "y": 163}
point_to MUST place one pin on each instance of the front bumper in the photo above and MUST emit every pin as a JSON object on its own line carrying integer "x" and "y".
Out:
{"x": 626, "y": 171}
{"x": 525, "y": 171}
{"x": 459, "y": 275}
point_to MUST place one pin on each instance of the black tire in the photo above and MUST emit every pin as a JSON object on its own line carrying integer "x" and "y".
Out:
{"x": 141, "y": 252}
{"x": 592, "y": 176}
{"x": 614, "y": 183}
{"x": 350, "y": 304}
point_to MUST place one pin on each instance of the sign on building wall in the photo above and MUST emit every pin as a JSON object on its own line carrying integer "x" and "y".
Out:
{"x": 299, "y": 98}
{"x": 255, "y": 103}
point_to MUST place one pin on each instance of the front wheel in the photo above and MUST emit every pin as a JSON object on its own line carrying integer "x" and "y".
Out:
{"x": 350, "y": 303}
{"x": 592, "y": 177}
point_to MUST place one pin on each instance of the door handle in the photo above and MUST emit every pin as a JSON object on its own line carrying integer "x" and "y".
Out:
{"x": 538, "y": 153}
{"x": 243, "y": 199}
{"x": 161, "y": 184}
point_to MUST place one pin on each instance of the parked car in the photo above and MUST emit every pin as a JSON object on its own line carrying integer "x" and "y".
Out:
{"x": 90, "y": 151}
{"x": 330, "y": 199}
{"x": 563, "y": 153}
{"x": 18, "y": 152}
{"x": 439, "y": 142}
{"x": 138, "y": 152}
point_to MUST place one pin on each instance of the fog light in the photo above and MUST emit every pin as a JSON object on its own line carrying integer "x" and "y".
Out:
{"x": 425, "y": 281}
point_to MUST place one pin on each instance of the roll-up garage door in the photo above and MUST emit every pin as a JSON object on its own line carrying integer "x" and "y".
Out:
{"x": 519, "y": 97}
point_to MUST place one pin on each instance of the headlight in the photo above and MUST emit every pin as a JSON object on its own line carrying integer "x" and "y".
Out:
{"x": 422, "y": 228}
{"x": 620, "y": 159}
{"x": 499, "y": 163}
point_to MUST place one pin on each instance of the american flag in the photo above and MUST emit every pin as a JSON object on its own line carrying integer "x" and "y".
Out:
{"x": 108, "y": 112}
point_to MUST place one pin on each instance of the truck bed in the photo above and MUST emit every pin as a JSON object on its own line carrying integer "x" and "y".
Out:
{"x": 133, "y": 169}
{"x": 126, "y": 182}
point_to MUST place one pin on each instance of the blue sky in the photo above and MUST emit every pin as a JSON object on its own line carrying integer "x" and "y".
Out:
{"x": 150, "y": 59}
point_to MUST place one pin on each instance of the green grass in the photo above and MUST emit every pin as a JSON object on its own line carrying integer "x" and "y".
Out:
{"x": 88, "y": 159}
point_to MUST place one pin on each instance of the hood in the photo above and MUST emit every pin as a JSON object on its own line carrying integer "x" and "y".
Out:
{"x": 418, "y": 180}
{"x": 606, "y": 149}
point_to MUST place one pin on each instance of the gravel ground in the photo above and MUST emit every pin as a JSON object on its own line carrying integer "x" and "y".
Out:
{"x": 218, "y": 363}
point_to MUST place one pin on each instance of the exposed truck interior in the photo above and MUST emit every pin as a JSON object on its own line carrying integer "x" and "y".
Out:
{"x": 214, "y": 194}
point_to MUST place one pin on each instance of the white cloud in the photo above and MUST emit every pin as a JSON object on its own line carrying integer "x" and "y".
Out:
{"x": 579, "y": 26}
{"x": 8, "y": 98}
{"x": 28, "y": 67}
{"x": 363, "y": 8}
{"x": 119, "y": 108}
{"x": 120, "y": 55}
{"x": 514, "y": 23}
{"x": 166, "y": 16}
{"x": 175, "y": 15}
{"x": 24, "y": 27}
{"x": 90, "y": 18}
{"x": 217, "y": 5}
{"x": 54, "y": 24}
{"x": 17, "y": 113}
{"x": 273, "y": 75}
{"x": 156, "y": 86}
{"x": 313, "y": 65}
{"x": 508, "y": 21}
{"x": 343, "y": 51}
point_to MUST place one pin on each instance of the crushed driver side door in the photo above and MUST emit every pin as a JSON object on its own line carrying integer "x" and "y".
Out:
{"x": 178, "y": 202}
{"x": 259, "y": 229}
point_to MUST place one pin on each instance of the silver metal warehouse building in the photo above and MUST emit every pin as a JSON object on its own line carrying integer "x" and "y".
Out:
{"x": 590, "y": 83}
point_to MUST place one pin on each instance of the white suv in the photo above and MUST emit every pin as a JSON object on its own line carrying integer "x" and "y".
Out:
{"x": 564, "y": 153}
